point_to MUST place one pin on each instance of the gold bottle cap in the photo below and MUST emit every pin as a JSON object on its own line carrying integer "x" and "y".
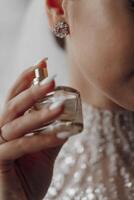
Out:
{"x": 40, "y": 74}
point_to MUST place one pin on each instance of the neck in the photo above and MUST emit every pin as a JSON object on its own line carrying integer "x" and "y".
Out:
{"x": 89, "y": 93}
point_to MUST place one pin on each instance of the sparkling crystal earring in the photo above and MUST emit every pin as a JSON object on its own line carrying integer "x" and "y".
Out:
{"x": 61, "y": 29}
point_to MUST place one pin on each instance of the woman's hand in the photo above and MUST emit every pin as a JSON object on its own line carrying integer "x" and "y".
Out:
{"x": 26, "y": 162}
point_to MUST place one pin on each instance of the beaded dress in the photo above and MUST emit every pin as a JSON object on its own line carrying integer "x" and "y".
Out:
{"x": 97, "y": 164}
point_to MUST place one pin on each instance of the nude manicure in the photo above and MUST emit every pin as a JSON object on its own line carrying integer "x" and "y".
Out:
{"x": 45, "y": 59}
{"x": 63, "y": 135}
{"x": 57, "y": 104}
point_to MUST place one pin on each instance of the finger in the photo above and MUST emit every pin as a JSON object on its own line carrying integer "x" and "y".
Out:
{"x": 26, "y": 145}
{"x": 27, "y": 123}
{"x": 24, "y": 80}
{"x": 25, "y": 100}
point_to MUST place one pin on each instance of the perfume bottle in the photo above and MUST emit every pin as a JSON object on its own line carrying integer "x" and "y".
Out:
{"x": 71, "y": 119}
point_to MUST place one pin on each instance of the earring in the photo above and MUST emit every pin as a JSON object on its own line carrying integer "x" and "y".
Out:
{"x": 61, "y": 29}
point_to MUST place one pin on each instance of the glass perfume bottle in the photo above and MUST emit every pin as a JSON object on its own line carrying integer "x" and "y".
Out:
{"x": 71, "y": 119}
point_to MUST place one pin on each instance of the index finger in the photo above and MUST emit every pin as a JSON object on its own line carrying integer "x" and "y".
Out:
{"x": 24, "y": 80}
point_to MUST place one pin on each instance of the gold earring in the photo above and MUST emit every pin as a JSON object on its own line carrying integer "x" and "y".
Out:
{"x": 61, "y": 29}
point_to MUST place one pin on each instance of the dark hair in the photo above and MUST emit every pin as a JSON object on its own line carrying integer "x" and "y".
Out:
{"x": 60, "y": 42}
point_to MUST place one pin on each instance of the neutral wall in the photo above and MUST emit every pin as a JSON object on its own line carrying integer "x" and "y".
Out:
{"x": 25, "y": 39}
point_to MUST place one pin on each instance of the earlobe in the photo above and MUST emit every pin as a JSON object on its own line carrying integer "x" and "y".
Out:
{"x": 57, "y": 22}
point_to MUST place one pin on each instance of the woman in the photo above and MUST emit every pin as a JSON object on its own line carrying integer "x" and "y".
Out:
{"x": 98, "y": 163}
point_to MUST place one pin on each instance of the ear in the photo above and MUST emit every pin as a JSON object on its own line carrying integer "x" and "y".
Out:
{"x": 55, "y": 11}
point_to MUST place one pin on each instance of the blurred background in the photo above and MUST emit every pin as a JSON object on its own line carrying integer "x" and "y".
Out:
{"x": 25, "y": 38}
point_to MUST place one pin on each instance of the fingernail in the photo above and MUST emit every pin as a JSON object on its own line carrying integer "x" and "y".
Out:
{"x": 63, "y": 135}
{"x": 43, "y": 63}
{"x": 45, "y": 59}
{"x": 56, "y": 104}
{"x": 38, "y": 63}
{"x": 48, "y": 80}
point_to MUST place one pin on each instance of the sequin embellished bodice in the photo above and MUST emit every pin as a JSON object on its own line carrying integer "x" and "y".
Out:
{"x": 97, "y": 164}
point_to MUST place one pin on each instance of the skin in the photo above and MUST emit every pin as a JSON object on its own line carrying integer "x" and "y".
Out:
{"x": 100, "y": 50}
{"x": 26, "y": 163}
